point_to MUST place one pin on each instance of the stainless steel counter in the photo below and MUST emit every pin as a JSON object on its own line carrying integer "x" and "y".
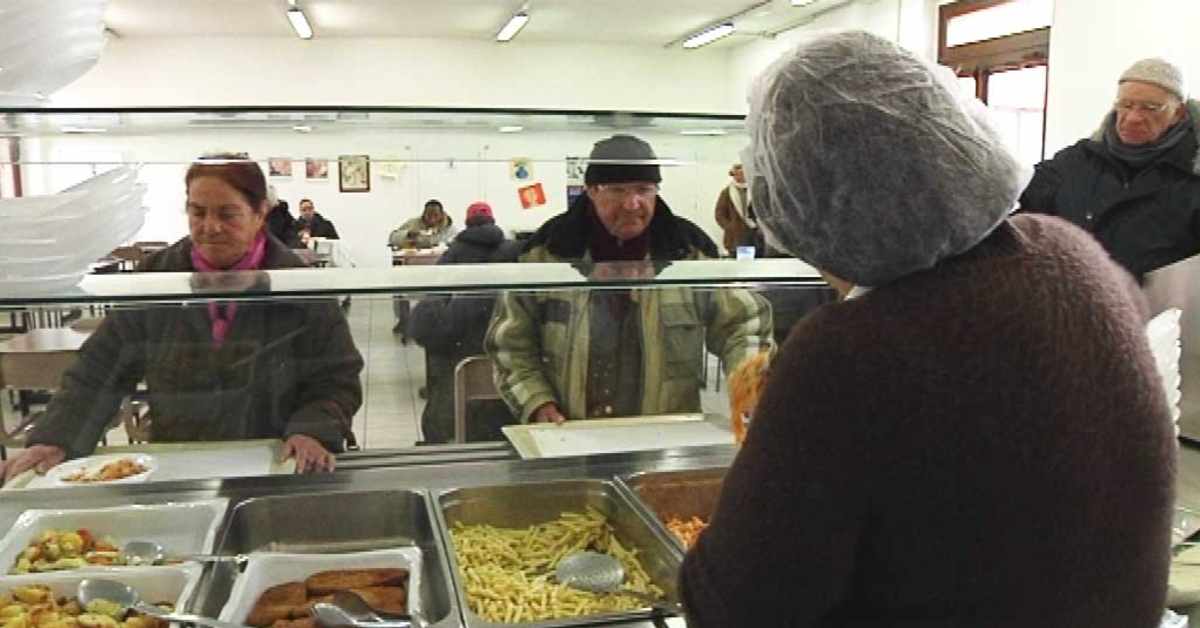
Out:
{"x": 425, "y": 469}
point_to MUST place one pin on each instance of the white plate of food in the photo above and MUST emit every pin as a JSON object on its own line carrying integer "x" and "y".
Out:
{"x": 100, "y": 470}
{"x": 181, "y": 528}
{"x": 278, "y": 586}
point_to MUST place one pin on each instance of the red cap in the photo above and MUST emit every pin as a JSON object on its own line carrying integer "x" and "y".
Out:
{"x": 479, "y": 209}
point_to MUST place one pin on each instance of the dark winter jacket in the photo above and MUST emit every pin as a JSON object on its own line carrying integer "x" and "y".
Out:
{"x": 286, "y": 367}
{"x": 318, "y": 226}
{"x": 282, "y": 225}
{"x": 451, "y": 328}
{"x": 1146, "y": 220}
{"x": 985, "y": 444}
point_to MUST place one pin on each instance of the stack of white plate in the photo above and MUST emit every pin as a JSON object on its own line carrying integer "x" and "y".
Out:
{"x": 46, "y": 44}
{"x": 47, "y": 243}
{"x": 1163, "y": 331}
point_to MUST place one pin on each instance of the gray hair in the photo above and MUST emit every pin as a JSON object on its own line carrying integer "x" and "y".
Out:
{"x": 869, "y": 163}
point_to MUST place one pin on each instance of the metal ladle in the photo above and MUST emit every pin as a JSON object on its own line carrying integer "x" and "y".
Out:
{"x": 92, "y": 589}
{"x": 602, "y": 573}
{"x": 349, "y": 609}
{"x": 150, "y": 553}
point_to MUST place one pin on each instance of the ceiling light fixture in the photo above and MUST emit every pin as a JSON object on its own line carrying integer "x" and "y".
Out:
{"x": 302, "y": 128}
{"x": 514, "y": 26}
{"x": 511, "y": 129}
{"x": 709, "y": 35}
{"x": 299, "y": 23}
{"x": 802, "y": 3}
{"x": 83, "y": 129}
{"x": 703, "y": 132}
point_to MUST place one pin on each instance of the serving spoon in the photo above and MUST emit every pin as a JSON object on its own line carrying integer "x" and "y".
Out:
{"x": 349, "y": 609}
{"x": 150, "y": 553}
{"x": 125, "y": 596}
{"x": 602, "y": 573}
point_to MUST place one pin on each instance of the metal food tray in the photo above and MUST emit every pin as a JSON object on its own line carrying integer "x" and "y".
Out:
{"x": 528, "y": 504}
{"x": 333, "y": 523}
{"x": 683, "y": 494}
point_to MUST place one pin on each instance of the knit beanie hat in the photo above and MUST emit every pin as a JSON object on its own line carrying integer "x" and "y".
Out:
{"x": 1158, "y": 72}
{"x": 479, "y": 212}
{"x": 605, "y": 163}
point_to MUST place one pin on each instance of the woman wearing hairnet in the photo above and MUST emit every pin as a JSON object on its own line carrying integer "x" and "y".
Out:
{"x": 975, "y": 436}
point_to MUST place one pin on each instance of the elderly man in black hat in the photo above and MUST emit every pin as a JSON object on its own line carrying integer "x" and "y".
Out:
{"x": 592, "y": 354}
{"x": 1135, "y": 183}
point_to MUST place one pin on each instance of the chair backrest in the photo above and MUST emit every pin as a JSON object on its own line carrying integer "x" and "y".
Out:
{"x": 472, "y": 381}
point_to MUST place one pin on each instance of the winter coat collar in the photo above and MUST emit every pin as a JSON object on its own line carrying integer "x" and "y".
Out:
{"x": 1194, "y": 111}
{"x": 671, "y": 237}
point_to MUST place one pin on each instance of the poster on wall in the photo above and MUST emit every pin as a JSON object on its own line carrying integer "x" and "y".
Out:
{"x": 576, "y": 166}
{"x": 316, "y": 169}
{"x": 391, "y": 168}
{"x": 354, "y": 173}
{"x": 520, "y": 169}
{"x": 532, "y": 196}
{"x": 279, "y": 167}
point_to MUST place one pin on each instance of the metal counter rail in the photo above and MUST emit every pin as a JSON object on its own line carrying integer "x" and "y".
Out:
{"x": 426, "y": 469}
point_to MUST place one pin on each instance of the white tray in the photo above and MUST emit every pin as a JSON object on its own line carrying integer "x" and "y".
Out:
{"x": 600, "y": 436}
{"x": 266, "y": 569}
{"x": 173, "y": 584}
{"x": 57, "y": 475}
{"x": 181, "y": 528}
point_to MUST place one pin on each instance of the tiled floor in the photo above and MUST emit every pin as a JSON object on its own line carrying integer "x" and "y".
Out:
{"x": 393, "y": 375}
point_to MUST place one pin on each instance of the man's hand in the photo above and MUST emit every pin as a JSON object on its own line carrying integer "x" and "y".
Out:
{"x": 311, "y": 456}
{"x": 548, "y": 413}
{"x": 40, "y": 458}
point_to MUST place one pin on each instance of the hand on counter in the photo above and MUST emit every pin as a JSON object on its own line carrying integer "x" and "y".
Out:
{"x": 548, "y": 413}
{"x": 40, "y": 458}
{"x": 311, "y": 456}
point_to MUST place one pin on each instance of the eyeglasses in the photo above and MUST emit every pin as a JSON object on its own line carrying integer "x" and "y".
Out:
{"x": 1127, "y": 106}
{"x": 645, "y": 191}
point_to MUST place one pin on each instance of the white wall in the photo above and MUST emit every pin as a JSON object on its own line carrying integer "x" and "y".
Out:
{"x": 394, "y": 71}
{"x": 1093, "y": 41}
{"x": 912, "y": 23}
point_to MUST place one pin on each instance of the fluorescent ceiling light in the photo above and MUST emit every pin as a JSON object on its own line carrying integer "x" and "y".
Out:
{"x": 83, "y": 129}
{"x": 705, "y": 132}
{"x": 299, "y": 23}
{"x": 511, "y": 129}
{"x": 514, "y": 26}
{"x": 302, "y": 128}
{"x": 802, "y": 3}
{"x": 708, "y": 36}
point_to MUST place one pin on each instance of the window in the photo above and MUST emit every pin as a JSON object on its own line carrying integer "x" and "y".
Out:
{"x": 999, "y": 49}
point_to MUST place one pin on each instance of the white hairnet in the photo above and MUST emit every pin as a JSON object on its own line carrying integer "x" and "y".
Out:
{"x": 870, "y": 163}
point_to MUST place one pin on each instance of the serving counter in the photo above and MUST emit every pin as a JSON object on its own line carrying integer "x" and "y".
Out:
{"x": 401, "y": 498}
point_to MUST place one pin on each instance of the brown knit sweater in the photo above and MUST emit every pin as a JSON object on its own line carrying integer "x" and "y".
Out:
{"x": 985, "y": 444}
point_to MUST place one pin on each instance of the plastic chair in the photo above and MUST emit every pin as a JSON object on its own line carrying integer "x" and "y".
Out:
{"x": 473, "y": 380}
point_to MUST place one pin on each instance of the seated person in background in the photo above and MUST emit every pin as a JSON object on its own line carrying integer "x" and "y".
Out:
{"x": 1135, "y": 183}
{"x": 607, "y": 353}
{"x": 451, "y": 328}
{"x": 976, "y": 435}
{"x": 431, "y": 229}
{"x": 313, "y": 223}
{"x": 219, "y": 371}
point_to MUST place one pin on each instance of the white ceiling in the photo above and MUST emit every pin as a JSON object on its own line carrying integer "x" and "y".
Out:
{"x": 634, "y": 22}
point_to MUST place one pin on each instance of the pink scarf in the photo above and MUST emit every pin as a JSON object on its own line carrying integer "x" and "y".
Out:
{"x": 221, "y": 314}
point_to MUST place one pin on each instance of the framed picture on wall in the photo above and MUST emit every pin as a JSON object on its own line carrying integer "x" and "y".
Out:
{"x": 316, "y": 169}
{"x": 279, "y": 167}
{"x": 354, "y": 173}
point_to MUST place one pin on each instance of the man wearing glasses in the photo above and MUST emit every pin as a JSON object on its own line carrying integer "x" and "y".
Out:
{"x": 608, "y": 353}
{"x": 1135, "y": 184}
